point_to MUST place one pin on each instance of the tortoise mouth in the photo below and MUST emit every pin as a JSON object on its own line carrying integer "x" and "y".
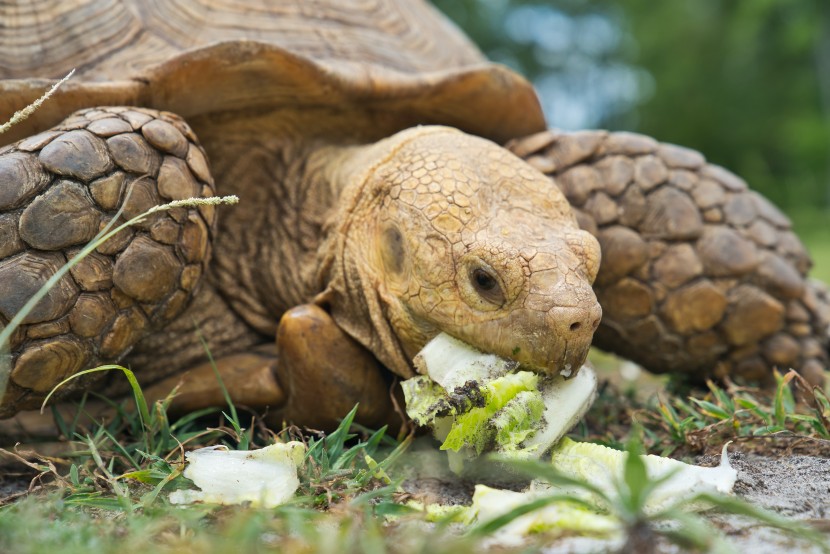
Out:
{"x": 533, "y": 345}
{"x": 550, "y": 357}
{"x": 567, "y": 364}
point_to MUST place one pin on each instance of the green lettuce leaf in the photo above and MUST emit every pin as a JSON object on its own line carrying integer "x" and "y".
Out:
{"x": 518, "y": 420}
{"x": 603, "y": 468}
{"x": 476, "y": 428}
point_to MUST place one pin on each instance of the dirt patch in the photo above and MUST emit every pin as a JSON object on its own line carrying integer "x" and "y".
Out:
{"x": 795, "y": 486}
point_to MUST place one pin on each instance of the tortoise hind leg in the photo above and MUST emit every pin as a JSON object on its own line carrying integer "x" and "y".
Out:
{"x": 699, "y": 274}
{"x": 57, "y": 190}
{"x": 249, "y": 378}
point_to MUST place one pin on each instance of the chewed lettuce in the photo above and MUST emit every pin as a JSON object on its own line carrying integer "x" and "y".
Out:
{"x": 476, "y": 402}
{"x": 425, "y": 399}
{"x": 266, "y": 477}
{"x": 501, "y": 414}
{"x": 556, "y": 519}
{"x": 603, "y": 468}
{"x": 513, "y": 407}
{"x": 511, "y": 423}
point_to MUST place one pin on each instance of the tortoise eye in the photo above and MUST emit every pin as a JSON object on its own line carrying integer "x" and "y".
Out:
{"x": 393, "y": 251}
{"x": 487, "y": 286}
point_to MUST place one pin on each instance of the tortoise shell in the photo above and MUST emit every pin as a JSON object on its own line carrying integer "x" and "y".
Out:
{"x": 390, "y": 64}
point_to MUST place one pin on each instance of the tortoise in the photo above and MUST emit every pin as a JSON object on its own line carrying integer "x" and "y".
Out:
{"x": 393, "y": 184}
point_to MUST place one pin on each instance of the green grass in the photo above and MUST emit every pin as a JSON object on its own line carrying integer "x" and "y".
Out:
{"x": 111, "y": 495}
{"x": 743, "y": 413}
{"x": 677, "y": 420}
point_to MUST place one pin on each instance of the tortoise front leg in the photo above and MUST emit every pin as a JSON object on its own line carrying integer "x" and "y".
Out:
{"x": 699, "y": 274}
{"x": 325, "y": 373}
{"x": 60, "y": 188}
{"x": 312, "y": 377}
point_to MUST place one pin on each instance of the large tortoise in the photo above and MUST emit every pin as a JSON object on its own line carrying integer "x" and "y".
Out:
{"x": 359, "y": 235}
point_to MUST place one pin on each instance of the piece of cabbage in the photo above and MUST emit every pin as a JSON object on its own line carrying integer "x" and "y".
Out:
{"x": 266, "y": 477}
{"x": 556, "y": 519}
{"x": 603, "y": 467}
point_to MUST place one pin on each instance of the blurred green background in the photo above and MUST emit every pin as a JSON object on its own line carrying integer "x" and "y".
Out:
{"x": 746, "y": 83}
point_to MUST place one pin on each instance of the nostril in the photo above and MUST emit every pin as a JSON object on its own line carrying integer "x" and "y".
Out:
{"x": 575, "y": 326}
{"x": 595, "y": 324}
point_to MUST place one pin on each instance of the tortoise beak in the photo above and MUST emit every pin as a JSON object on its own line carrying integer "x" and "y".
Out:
{"x": 562, "y": 347}
{"x": 555, "y": 342}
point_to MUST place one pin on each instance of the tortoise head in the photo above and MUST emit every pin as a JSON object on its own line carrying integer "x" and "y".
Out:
{"x": 450, "y": 232}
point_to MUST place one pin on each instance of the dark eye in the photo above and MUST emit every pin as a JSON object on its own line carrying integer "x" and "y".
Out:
{"x": 484, "y": 281}
{"x": 487, "y": 286}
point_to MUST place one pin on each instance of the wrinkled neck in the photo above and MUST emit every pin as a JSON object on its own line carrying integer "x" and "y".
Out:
{"x": 266, "y": 252}
{"x": 349, "y": 271}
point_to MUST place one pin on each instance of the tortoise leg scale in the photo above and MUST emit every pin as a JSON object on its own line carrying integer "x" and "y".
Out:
{"x": 699, "y": 274}
{"x": 58, "y": 189}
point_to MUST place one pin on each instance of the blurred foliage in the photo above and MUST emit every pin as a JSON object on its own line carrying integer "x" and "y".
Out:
{"x": 746, "y": 83}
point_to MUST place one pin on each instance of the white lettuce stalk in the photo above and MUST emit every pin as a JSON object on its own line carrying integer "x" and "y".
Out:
{"x": 266, "y": 477}
{"x": 573, "y": 509}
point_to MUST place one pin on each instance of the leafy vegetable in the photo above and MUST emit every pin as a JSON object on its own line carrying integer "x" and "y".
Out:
{"x": 265, "y": 477}
{"x": 477, "y": 429}
{"x": 478, "y": 402}
{"x": 672, "y": 480}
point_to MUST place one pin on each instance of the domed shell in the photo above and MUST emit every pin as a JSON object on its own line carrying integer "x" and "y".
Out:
{"x": 388, "y": 64}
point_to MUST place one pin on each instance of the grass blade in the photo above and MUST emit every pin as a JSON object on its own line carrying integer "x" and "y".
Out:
{"x": 783, "y": 398}
{"x": 233, "y": 418}
{"x": 20, "y": 115}
{"x": 141, "y": 403}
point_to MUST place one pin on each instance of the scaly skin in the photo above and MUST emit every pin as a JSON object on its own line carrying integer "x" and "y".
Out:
{"x": 310, "y": 226}
{"x": 430, "y": 230}
{"x": 442, "y": 231}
